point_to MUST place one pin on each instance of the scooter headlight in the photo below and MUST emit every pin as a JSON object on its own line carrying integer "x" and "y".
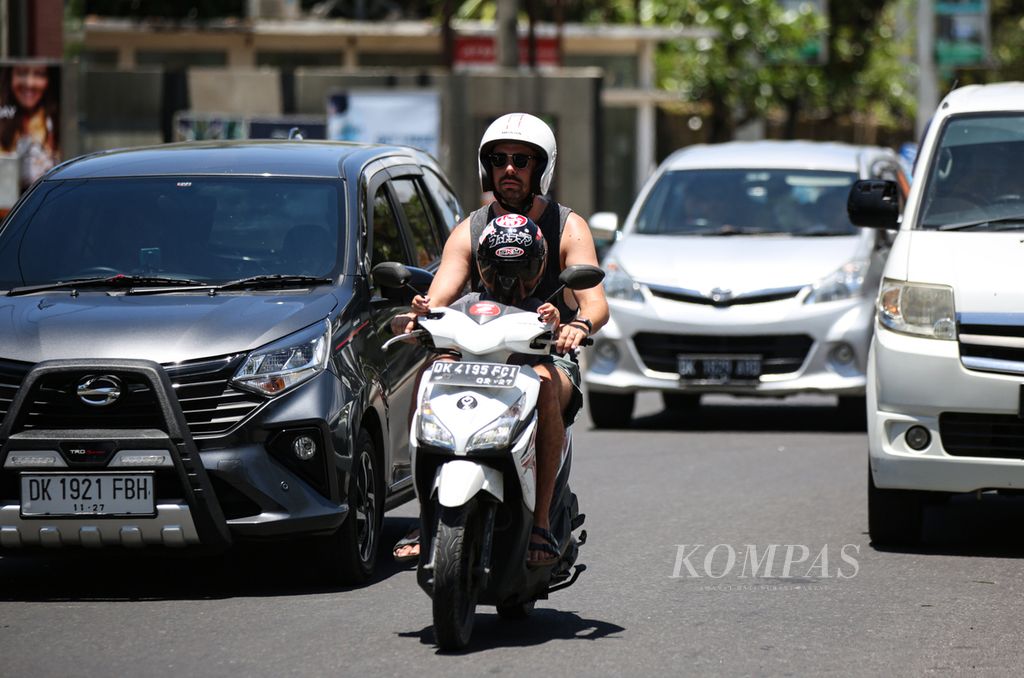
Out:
{"x": 498, "y": 433}
{"x": 430, "y": 431}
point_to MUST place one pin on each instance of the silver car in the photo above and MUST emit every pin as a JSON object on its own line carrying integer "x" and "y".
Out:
{"x": 737, "y": 271}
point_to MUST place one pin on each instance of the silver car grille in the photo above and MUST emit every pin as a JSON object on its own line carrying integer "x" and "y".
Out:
{"x": 723, "y": 297}
{"x": 780, "y": 353}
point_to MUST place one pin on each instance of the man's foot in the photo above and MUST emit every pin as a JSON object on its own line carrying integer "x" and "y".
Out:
{"x": 408, "y": 547}
{"x": 543, "y": 550}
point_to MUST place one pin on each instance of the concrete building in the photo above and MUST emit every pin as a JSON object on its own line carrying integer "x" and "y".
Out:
{"x": 267, "y": 66}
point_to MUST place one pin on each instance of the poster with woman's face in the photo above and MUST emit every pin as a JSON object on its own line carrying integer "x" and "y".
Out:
{"x": 29, "y": 120}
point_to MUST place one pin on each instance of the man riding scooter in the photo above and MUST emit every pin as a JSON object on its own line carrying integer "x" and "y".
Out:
{"x": 516, "y": 161}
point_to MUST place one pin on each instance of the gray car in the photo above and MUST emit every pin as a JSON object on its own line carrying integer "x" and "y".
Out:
{"x": 737, "y": 271}
{"x": 190, "y": 347}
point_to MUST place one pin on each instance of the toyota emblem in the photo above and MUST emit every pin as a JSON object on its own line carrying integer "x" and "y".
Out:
{"x": 99, "y": 391}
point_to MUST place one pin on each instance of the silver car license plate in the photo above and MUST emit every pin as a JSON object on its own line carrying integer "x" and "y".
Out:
{"x": 719, "y": 369}
{"x": 491, "y": 375}
{"x": 87, "y": 494}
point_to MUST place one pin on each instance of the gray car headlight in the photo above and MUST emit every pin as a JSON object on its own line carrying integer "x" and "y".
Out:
{"x": 286, "y": 363}
{"x": 844, "y": 283}
{"x": 914, "y": 308}
{"x": 618, "y": 284}
{"x": 498, "y": 433}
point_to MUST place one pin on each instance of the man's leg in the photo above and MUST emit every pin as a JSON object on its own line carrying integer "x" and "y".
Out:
{"x": 555, "y": 394}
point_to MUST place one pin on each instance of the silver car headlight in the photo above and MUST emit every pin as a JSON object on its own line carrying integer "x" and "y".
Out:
{"x": 845, "y": 282}
{"x": 498, "y": 433}
{"x": 618, "y": 284}
{"x": 914, "y": 308}
{"x": 430, "y": 431}
{"x": 286, "y": 363}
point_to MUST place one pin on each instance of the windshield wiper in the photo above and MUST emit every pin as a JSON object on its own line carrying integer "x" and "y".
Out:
{"x": 119, "y": 280}
{"x": 272, "y": 281}
{"x": 966, "y": 225}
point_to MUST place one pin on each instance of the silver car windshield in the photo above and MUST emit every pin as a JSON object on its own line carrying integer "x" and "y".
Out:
{"x": 748, "y": 202}
{"x": 207, "y": 229}
{"x": 976, "y": 178}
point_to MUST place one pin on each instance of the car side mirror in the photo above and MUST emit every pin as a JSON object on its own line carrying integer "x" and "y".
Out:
{"x": 604, "y": 226}
{"x": 581, "y": 276}
{"x": 391, "y": 274}
{"x": 874, "y": 203}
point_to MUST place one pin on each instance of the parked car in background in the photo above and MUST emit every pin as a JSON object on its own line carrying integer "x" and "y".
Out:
{"x": 190, "y": 347}
{"x": 946, "y": 369}
{"x": 737, "y": 271}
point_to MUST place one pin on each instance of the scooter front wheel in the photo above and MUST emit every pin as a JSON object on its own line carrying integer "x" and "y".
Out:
{"x": 456, "y": 583}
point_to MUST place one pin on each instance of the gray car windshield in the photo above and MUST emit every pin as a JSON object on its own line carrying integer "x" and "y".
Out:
{"x": 208, "y": 229}
{"x": 976, "y": 178}
{"x": 748, "y": 202}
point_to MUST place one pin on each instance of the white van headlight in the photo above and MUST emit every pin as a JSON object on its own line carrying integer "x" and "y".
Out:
{"x": 618, "y": 284}
{"x": 845, "y": 282}
{"x": 285, "y": 363}
{"x": 918, "y": 309}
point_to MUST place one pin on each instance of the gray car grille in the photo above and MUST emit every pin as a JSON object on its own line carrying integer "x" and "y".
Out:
{"x": 210, "y": 405}
{"x": 992, "y": 343}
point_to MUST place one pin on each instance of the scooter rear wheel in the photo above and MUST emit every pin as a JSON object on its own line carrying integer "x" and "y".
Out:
{"x": 518, "y": 611}
{"x": 456, "y": 557}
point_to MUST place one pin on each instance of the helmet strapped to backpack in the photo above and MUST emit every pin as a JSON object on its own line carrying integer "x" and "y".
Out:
{"x": 511, "y": 257}
{"x": 520, "y": 128}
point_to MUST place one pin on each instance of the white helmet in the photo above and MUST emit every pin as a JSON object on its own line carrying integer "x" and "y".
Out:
{"x": 521, "y": 128}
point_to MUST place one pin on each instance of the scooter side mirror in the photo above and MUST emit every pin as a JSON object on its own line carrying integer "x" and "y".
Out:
{"x": 581, "y": 276}
{"x": 391, "y": 274}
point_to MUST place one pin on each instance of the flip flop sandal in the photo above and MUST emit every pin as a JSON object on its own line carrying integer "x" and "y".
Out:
{"x": 548, "y": 546}
{"x": 407, "y": 540}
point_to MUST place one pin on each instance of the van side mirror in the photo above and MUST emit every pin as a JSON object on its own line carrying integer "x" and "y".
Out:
{"x": 874, "y": 203}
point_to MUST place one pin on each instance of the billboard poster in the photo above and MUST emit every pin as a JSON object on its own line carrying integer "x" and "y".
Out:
{"x": 407, "y": 118}
{"x": 29, "y": 124}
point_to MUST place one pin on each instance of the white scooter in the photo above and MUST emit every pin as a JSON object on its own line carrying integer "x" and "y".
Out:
{"x": 474, "y": 461}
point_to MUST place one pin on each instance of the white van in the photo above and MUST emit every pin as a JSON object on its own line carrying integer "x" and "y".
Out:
{"x": 945, "y": 395}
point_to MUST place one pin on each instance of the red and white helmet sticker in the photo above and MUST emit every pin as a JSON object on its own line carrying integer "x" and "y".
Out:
{"x": 510, "y": 221}
{"x": 509, "y": 252}
{"x": 484, "y": 308}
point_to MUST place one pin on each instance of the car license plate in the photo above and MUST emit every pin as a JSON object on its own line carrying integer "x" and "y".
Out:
{"x": 86, "y": 494}
{"x": 719, "y": 369}
{"x": 491, "y": 375}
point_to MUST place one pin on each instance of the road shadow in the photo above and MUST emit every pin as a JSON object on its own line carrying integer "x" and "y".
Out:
{"x": 246, "y": 570}
{"x": 748, "y": 415}
{"x": 543, "y": 625}
{"x": 965, "y": 525}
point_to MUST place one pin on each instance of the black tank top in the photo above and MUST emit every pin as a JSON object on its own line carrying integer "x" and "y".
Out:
{"x": 551, "y": 223}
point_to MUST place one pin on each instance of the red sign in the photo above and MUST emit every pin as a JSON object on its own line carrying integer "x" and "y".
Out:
{"x": 478, "y": 50}
{"x": 484, "y": 308}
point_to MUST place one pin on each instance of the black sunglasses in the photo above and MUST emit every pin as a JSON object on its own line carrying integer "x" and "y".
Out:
{"x": 520, "y": 160}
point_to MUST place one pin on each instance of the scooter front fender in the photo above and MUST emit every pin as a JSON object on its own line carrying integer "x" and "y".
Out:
{"x": 456, "y": 482}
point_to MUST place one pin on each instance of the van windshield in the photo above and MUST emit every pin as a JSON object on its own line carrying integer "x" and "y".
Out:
{"x": 754, "y": 201}
{"x": 976, "y": 178}
{"x": 208, "y": 229}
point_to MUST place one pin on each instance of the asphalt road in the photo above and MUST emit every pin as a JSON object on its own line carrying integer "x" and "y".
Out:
{"x": 677, "y": 507}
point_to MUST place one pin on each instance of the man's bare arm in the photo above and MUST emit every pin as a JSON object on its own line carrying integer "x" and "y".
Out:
{"x": 453, "y": 273}
{"x": 578, "y": 248}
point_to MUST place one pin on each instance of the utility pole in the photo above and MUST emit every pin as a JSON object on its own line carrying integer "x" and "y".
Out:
{"x": 508, "y": 34}
{"x": 927, "y": 84}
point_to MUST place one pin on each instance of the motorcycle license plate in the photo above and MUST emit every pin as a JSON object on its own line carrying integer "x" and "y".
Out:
{"x": 718, "y": 369}
{"x": 87, "y": 494}
{"x": 491, "y": 375}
